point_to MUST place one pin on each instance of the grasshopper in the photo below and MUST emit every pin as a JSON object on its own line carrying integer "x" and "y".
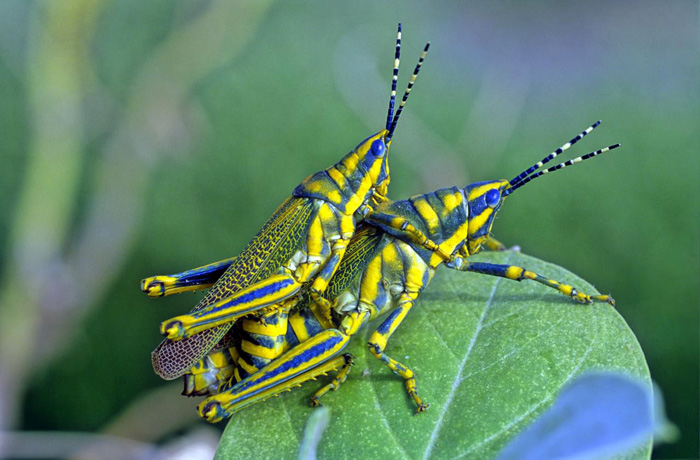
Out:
{"x": 388, "y": 264}
{"x": 301, "y": 244}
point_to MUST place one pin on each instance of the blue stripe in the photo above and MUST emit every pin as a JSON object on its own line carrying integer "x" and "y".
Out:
{"x": 298, "y": 361}
{"x": 384, "y": 327}
{"x": 254, "y": 293}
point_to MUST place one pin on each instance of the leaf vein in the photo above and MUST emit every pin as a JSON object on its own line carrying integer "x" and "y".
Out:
{"x": 544, "y": 401}
{"x": 515, "y": 350}
{"x": 462, "y": 365}
{"x": 439, "y": 336}
{"x": 375, "y": 399}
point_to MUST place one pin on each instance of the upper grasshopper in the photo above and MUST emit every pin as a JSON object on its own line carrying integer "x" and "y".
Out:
{"x": 302, "y": 243}
{"x": 390, "y": 261}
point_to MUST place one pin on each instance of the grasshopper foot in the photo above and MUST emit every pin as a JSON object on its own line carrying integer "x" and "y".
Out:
{"x": 585, "y": 298}
{"x": 422, "y": 407}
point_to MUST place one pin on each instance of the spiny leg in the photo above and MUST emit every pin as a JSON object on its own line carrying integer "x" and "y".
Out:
{"x": 191, "y": 280}
{"x": 516, "y": 273}
{"x": 336, "y": 382}
{"x": 304, "y": 362}
{"x": 377, "y": 344}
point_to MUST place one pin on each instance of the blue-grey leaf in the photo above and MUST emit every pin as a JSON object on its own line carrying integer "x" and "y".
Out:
{"x": 599, "y": 415}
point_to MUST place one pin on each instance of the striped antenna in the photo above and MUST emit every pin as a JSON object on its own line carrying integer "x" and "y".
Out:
{"x": 553, "y": 155}
{"x": 394, "y": 79}
{"x": 407, "y": 92}
{"x": 563, "y": 165}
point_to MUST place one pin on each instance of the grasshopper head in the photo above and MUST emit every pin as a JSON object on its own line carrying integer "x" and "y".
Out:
{"x": 361, "y": 179}
{"x": 484, "y": 199}
{"x": 373, "y": 155}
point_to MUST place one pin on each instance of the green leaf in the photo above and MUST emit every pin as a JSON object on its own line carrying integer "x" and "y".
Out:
{"x": 490, "y": 355}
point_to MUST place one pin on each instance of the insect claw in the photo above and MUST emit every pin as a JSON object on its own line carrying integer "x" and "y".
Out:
{"x": 421, "y": 408}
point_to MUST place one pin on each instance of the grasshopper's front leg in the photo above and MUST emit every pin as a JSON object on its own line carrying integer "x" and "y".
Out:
{"x": 191, "y": 280}
{"x": 409, "y": 231}
{"x": 304, "y": 362}
{"x": 513, "y": 272}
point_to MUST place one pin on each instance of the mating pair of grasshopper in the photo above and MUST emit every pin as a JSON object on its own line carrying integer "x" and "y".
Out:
{"x": 334, "y": 256}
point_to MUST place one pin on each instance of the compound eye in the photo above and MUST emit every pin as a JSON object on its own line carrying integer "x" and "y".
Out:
{"x": 492, "y": 198}
{"x": 378, "y": 148}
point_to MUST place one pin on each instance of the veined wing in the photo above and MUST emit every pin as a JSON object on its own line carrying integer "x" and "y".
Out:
{"x": 362, "y": 247}
{"x": 272, "y": 246}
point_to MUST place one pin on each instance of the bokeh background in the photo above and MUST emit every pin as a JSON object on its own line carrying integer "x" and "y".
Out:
{"x": 144, "y": 138}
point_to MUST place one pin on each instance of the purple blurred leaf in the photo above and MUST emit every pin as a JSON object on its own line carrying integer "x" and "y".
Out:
{"x": 599, "y": 415}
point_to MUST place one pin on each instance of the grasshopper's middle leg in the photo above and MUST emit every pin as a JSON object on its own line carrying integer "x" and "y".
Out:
{"x": 377, "y": 344}
{"x": 306, "y": 361}
{"x": 190, "y": 280}
{"x": 410, "y": 231}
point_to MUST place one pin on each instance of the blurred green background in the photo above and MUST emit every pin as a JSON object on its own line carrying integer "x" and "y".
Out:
{"x": 143, "y": 138}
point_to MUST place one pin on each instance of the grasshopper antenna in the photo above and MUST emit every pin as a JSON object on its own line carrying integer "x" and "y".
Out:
{"x": 394, "y": 79}
{"x": 408, "y": 91}
{"x": 553, "y": 155}
{"x": 563, "y": 165}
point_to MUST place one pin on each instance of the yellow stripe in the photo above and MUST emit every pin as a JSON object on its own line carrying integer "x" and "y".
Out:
{"x": 476, "y": 222}
{"x": 257, "y": 327}
{"x": 514, "y": 272}
{"x": 218, "y": 359}
{"x": 261, "y": 351}
{"x": 247, "y": 367}
{"x": 478, "y": 191}
{"x": 452, "y": 202}
{"x": 299, "y": 327}
{"x": 373, "y": 274}
{"x": 338, "y": 178}
{"x": 427, "y": 213}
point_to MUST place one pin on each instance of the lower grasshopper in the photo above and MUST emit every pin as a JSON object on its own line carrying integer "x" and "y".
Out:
{"x": 388, "y": 264}
{"x": 302, "y": 243}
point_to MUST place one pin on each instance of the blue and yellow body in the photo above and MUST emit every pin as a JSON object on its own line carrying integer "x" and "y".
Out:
{"x": 389, "y": 262}
{"x": 301, "y": 245}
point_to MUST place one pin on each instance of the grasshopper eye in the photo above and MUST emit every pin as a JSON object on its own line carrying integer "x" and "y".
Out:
{"x": 492, "y": 198}
{"x": 378, "y": 148}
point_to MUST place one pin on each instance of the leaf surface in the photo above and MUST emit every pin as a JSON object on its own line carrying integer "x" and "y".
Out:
{"x": 490, "y": 355}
